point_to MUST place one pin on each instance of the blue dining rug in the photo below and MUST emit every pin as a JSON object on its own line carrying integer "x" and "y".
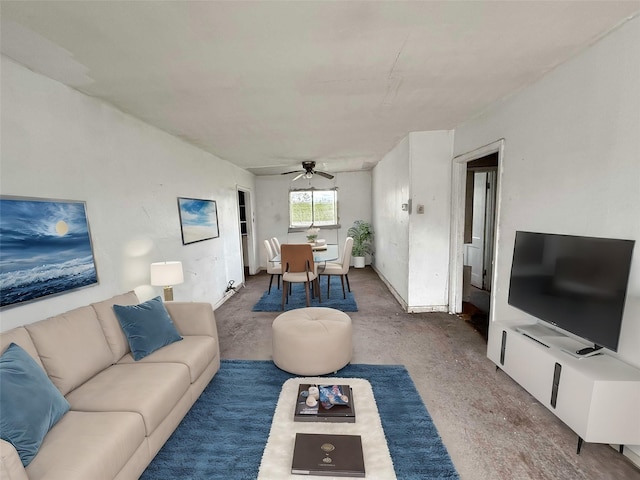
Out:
{"x": 225, "y": 432}
{"x": 272, "y": 302}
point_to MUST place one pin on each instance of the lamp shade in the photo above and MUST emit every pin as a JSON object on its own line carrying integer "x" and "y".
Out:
{"x": 166, "y": 274}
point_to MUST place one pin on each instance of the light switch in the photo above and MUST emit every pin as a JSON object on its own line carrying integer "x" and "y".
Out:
{"x": 420, "y": 209}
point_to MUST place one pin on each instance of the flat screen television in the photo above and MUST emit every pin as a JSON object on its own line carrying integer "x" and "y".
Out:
{"x": 578, "y": 284}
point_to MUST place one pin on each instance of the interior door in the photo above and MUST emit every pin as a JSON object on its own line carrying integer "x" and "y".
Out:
{"x": 475, "y": 250}
{"x": 490, "y": 222}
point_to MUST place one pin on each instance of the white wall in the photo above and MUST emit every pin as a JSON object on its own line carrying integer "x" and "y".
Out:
{"x": 272, "y": 209}
{"x": 430, "y": 164}
{"x": 58, "y": 143}
{"x": 571, "y": 161}
{"x": 412, "y": 249}
{"x": 391, "y": 188}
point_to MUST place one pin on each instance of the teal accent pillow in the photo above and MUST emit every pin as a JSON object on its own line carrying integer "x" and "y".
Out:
{"x": 30, "y": 404}
{"x": 147, "y": 326}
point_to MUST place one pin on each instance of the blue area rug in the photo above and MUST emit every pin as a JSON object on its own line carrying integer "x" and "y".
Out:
{"x": 273, "y": 302}
{"x": 224, "y": 434}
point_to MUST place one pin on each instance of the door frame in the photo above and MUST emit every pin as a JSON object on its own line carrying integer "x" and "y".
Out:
{"x": 458, "y": 190}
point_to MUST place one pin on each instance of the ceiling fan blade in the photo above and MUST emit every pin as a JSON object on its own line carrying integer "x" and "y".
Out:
{"x": 292, "y": 171}
{"x": 299, "y": 176}
{"x": 325, "y": 175}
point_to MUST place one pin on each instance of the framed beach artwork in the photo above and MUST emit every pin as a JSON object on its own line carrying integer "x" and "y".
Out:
{"x": 45, "y": 249}
{"x": 198, "y": 219}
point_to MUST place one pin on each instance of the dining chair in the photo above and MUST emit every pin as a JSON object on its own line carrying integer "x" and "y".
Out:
{"x": 273, "y": 268}
{"x": 276, "y": 245}
{"x": 298, "y": 267}
{"x": 340, "y": 268}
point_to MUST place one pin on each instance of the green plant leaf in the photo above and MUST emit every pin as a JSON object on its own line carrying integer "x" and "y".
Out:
{"x": 362, "y": 234}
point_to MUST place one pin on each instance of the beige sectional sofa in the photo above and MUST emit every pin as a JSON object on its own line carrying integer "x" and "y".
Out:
{"x": 122, "y": 410}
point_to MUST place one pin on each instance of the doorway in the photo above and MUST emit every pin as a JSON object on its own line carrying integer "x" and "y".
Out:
{"x": 245, "y": 220}
{"x": 479, "y": 236}
{"x": 480, "y": 224}
{"x": 477, "y": 172}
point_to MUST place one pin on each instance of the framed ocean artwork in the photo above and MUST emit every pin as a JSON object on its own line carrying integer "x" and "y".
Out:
{"x": 198, "y": 219}
{"x": 45, "y": 249}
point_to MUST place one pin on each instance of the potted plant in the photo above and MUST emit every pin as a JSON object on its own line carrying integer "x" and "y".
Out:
{"x": 362, "y": 234}
{"x": 312, "y": 234}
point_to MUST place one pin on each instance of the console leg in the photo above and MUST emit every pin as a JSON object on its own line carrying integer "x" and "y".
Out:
{"x": 579, "y": 445}
{"x": 621, "y": 449}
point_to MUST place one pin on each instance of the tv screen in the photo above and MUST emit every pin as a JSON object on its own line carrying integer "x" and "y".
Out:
{"x": 576, "y": 283}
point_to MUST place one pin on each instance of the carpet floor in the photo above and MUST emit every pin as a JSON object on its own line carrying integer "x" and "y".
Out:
{"x": 272, "y": 302}
{"x": 225, "y": 432}
{"x": 492, "y": 428}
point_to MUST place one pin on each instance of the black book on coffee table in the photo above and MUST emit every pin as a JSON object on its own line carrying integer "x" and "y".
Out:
{"x": 337, "y": 413}
{"x": 328, "y": 455}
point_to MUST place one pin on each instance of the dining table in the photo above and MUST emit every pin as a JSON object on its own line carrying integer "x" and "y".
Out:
{"x": 321, "y": 253}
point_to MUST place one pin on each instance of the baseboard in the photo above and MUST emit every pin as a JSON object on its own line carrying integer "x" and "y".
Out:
{"x": 393, "y": 291}
{"x": 403, "y": 304}
{"x": 632, "y": 452}
{"x": 227, "y": 296}
{"x": 429, "y": 309}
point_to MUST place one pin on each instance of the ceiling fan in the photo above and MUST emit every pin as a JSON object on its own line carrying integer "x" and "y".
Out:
{"x": 308, "y": 171}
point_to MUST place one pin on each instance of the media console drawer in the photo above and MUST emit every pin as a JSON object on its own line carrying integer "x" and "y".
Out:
{"x": 528, "y": 364}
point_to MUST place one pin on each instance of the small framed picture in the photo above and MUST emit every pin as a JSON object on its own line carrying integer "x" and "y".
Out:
{"x": 198, "y": 220}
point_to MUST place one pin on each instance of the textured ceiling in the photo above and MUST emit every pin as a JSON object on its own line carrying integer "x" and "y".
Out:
{"x": 266, "y": 85}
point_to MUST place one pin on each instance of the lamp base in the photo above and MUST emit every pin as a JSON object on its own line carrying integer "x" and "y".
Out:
{"x": 168, "y": 294}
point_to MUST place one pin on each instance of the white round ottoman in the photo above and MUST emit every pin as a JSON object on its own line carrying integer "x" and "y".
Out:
{"x": 312, "y": 341}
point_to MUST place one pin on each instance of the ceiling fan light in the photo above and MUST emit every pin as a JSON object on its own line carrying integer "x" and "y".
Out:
{"x": 308, "y": 175}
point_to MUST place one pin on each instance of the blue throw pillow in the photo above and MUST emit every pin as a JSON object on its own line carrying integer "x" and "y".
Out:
{"x": 147, "y": 326}
{"x": 30, "y": 404}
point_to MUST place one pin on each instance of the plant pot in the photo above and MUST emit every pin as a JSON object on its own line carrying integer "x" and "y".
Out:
{"x": 358, "y": 262}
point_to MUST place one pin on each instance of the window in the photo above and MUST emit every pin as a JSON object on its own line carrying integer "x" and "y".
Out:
{"x": 317, "y": 207}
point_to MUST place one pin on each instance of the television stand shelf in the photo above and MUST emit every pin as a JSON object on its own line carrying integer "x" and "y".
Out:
{"x": 596, "y": 396}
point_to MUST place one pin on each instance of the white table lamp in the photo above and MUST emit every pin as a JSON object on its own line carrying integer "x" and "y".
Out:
{"x": 167, "y": 274}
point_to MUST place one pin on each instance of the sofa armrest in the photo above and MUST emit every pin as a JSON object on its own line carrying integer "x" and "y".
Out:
{"x": 193, "y": 318}
{"x": 10, "y": 464}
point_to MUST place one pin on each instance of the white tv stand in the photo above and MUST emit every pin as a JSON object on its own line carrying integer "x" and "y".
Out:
{"x": 598, "y": 397}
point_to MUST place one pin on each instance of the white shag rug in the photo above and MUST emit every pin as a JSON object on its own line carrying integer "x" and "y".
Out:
{"x": 278, "y": 453}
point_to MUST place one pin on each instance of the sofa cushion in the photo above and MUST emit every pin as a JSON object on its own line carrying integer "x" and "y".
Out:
{"x": 11, "y": 467}
{"x": 193, "y": 318}
{"x": 111, "y": 327}
{"x": 29, "y": 402}
{"x": 151, "y": 389}
{"x": 147, "y": 326}
{"x": 88, "y": 445}
{"x": 72, "y": 347}
{"x": 21, "y": 337}
{"x": 196, "y": 352}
